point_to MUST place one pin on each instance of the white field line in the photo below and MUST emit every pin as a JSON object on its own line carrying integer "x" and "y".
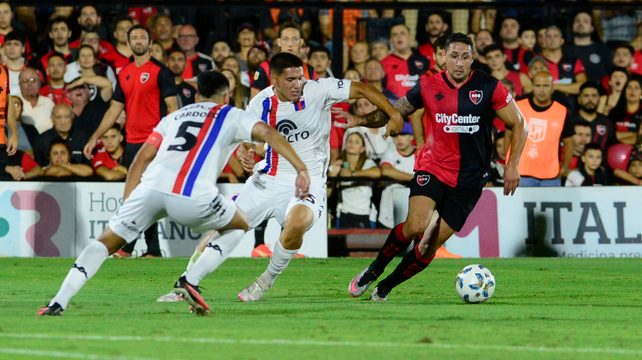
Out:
{"x": 66, "y": 355}
{"x": 534, "y": 349}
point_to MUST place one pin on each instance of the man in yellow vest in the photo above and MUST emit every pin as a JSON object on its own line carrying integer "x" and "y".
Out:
{"x": 547, "y": 125}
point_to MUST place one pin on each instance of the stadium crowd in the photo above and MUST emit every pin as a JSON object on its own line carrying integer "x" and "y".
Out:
{"x": 577, "y": 79}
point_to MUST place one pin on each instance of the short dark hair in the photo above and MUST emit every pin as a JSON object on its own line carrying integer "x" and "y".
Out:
{"x": 625, "y": 46}
{"x": 123, "y": 18}
{"x": 117, "y": 127}
{"x": 136, "y": 27}
{"x": 440, "y": 43}
{"x": 85, "y": 46}
{"x": 492, "y": 47}
{"x": 521, "y": 31}
{"x": 619, "y": 69}
{"x": 282, "y": 61}
{"x": 589, "y": 85}
{"x": 582, "y": 123}
{"x": 322, "y": 49}
{"x": 15, "y": 35}
{"x": 57, "y": 20}
{"x": 592, "y": 146}
{"x": 177, "y": 51}
{"x": 290, "y": 25}
{"x": 509, "y": 18}
{"x": 56, "y": 54}
{"x": 459, "y": 38}
{"x": 211, "y": 83}
{"x": 58, "y": 140}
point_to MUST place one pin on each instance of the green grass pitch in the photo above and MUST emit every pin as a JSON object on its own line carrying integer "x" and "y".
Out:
{"x": 549, "y": 308}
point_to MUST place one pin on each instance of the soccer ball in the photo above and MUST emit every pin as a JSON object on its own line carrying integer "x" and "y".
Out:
{"x": 475, "y": 284}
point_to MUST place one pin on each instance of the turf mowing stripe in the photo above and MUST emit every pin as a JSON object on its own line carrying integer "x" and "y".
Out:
{"x": 325, "y": 343}
{"x": 66, "y": 355}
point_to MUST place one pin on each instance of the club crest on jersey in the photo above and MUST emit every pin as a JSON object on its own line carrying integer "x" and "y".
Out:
{"x": 537, "y": 129}
{"x": 567, "y": 67}
{"x": 601, "y": 130}
{"x": 423, "y": 179}
{"x": 202, "y": 67}
{"x": 144, "y": 77}
{"x": 187, "y": 92}
{"x": 419, "y": 64}
{"x": 476, "y": 96}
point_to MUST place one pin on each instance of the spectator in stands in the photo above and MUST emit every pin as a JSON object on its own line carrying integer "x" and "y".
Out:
{"x": 59, "y": 33}
{"x": 88, "y": 108}
{"x": 625, "y": 57}
{"x": 595, "y": 55}
{"x": 26, "y": 134}
{"x": 527, "y": 39}
{"x": 62, "y": 117}
{"x": 515, "y": 54}
{"x": 60, "y": 165}
{"x": 375, "y": 143}
{"x": 617, "y": 80}
{"x": 238, "y": 94}
{"x": 359, "y": 54}
{"x": 374, "y": 76}
{"x": 379, "y": 49}
{"x": 220, "y": 50}
{"x": 290, "y": 40}
{"x": 163, "y": 31}
{"x": 633, "y": 173}
{"x": 590, "y": 171}
{"x": 36, "y": 109}
{"x": 88, "y": 62}
{"x": 541, "y": 41}
{"x": 483, "y": 39}
{"x": 158, "y": 53}
{"x": 6, "y": 18}
{"x": 56, "y": 90}
{"x": 186, "y": 92}
{"x": 257, "y": 55}
{"x": 581, "y": 138}
{"x": 567, "y": 71}
{"x": 20, "y": 166}
{"x": 405, "y": 64}
{"x": 320, "y": 60}
{"x": 355, "y": 206}
{"x": 498, "y": 163}
{"x": 436, "y": 27}
{"x": 627, "y": 114}
{"x": 496, "y": 59}
{"x": 89, "y": 21}
{"x": 232, "y": 63}
{"x": 107, "y": 162}
{"x": 397, "y": 164}
{"x": 246, "y": 38}
{"x": 602, "y": 128}
{"x": 196, "y": 62}
{"x": 14, "y": 50}
{"x": 548, "y": 125}
{"x": 121, "y": 57}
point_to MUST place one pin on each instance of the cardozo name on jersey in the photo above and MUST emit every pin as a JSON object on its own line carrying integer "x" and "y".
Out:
{"x": 457, "y": 122}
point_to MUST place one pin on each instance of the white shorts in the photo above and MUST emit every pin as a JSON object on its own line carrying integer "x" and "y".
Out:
{"x": 264, "y": 197}
{"x": 145, "y": 207}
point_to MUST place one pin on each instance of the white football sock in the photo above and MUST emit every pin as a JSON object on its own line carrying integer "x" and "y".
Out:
{"x": 84, "y": 269}
{"x": 278, "y": 263}
{"x": 192, "y": 260}
{"x": 216, "y": 252}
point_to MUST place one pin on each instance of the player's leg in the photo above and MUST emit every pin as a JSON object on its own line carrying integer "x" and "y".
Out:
{"x": 415, "y": 260}
{"x": 297, "y": 222}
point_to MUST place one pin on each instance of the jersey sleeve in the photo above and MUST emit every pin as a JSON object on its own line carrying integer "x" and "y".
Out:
{"x": 388, "y": 157}
{"x": 569, "y": 128}
{"x": 579, "y": 67}
{"x": 501, "y": 96}
{"x": 244, "y": 125}
{"x": 166, "y": 83}
{"x": 27, "y": 163}
{"x": 334, "y": 90}
{"x": 260, "y": 79}
{"x": 119, "y": 95}
{"x": 163, "y": 125}
{"x": 414, "y": 96}
{"x": 369, "y": 164}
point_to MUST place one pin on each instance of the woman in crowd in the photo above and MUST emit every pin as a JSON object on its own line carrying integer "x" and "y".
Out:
{"x": 60, "y": 155}
{"x": 237, "y": 97}
{"x": 627, "y": 113}
{"x": 617, "y": 80}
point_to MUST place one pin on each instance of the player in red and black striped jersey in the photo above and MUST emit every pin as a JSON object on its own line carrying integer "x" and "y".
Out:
{"x": 452, "y": 168}
{"x": 290, "y": 40}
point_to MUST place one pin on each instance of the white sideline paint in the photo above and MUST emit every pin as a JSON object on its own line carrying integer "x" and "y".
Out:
{"x": 321, "y": 343}
{"x": 66, "y": 355}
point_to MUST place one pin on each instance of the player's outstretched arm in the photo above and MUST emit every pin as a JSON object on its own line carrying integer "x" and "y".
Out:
{"x": 145, "y": 155}
{"x": 375, "y": 119}
{"x": 109, "y": 119}
{"x": 263, "y": 132}
{"x": 359, "y": 90}
{"x": 514, "y": 120}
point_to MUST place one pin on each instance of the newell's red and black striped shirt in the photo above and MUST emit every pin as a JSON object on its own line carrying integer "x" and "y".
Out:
{"x": 459, "y": 126}
{"x": 143, "y": 91}
{"x": 403, "y": 74}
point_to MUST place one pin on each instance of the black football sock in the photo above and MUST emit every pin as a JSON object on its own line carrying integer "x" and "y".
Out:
{"x": 411, "y": 265}
{"x": 395, "y": 243}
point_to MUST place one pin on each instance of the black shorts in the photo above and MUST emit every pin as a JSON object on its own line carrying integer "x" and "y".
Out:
{"x": 453, "y": 205}
{"x": 130, "y": 153}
